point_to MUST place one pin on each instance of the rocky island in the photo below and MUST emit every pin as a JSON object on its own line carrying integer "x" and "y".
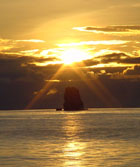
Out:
{"x": 72, "y": 99}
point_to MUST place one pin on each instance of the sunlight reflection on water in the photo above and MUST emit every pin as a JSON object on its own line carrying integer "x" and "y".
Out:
{"x": 70, "y": 139}
{"x": 73, "y": 149}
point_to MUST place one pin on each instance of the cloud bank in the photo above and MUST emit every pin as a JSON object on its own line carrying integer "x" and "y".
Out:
{"x": 114, "y": 29}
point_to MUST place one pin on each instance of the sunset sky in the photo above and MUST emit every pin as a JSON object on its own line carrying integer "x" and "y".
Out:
{"x": 46, "y": 45}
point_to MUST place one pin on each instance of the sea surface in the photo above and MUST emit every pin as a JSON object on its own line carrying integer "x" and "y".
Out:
{"x": 90, "y": 138}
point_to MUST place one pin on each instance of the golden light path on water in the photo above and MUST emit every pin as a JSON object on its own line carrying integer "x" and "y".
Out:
{"x": 78, "y": 151}
{"x": 74, "y": 149}
{"x": 70, "y": 139}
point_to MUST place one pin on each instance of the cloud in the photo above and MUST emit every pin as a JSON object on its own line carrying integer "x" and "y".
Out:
{"x": 17, "y": 46}
{"x": 112, "y": 63}
{"x": 103, "y": 42}
{"x": 91, "y": 62}
{"x": 113, "y": 57}
{"x": 12, "y": 41}
{"x": 35, "y": 18}
{"x": 119, "y": 57}
{"x": 31, "y": 40}
{"x": 24, "y": 59}
{"x": 22, "y": 79}
{"x": 110, "y": 70}
{"x": 29, "y": 52}
{"x": 131, "y": 60}
{"x": 29, "y": 15}
{"x": 114, "y": 29}
{"x": 30, "y": 48}
{"x": 52, "y": 92}
{"x": 54, "y": 80}
{"x": 23, "y": 67}
{"x": 133, "y": 71}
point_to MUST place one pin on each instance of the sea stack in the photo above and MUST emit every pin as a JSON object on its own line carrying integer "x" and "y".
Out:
{"x": 72, "y": 99}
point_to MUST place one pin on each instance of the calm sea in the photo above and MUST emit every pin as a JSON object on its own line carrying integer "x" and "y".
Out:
{"x": 49, "y": 138}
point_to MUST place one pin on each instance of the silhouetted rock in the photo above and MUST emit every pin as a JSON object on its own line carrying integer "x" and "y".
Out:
{"x": 72, "y": 99}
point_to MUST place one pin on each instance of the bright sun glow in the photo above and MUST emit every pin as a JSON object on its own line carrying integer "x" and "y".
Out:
{"x": 73, "y": 55}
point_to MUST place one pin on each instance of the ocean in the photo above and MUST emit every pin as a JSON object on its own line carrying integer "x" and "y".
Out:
{"x": 90, "y": 138}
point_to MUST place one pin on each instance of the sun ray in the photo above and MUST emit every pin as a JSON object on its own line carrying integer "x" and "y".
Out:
{"x": 98, "y": 88}
{"x": 71, "y": 57}
{"x": 44, "y": 89}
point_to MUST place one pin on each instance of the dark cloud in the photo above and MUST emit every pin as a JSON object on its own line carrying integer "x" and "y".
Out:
{"x": 119, "y": 58}
{"x": 15, "y": 67}
{"x": 132, "y": 71}
{"x": 113, "y": 28}
{"x": 20, "y": 82}
{"x": 131, "y": 60}
{"x": 109, "y": 58}
{"x": 110, "y": 70}
{"x": 90, "y": 62}
{"x": 113, "y": 57}
{"x": 20, "y": 79}
{"x": 10, "y": 58}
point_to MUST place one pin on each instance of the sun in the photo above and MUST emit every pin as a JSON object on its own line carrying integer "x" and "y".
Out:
{"x": 73, "y": 55}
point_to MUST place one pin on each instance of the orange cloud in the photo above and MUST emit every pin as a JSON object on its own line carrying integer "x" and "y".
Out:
{"x": 114, "y": 29}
